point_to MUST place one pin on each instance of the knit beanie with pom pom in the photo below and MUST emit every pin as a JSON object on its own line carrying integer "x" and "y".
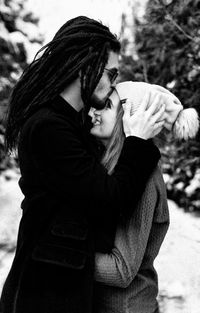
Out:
{"x": 184, "y": 123}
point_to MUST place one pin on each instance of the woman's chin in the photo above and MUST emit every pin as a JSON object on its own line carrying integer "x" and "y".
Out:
{"x": 94, "y": 132}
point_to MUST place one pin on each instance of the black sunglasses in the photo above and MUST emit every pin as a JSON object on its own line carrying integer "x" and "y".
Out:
{"x": 112, "y": 74}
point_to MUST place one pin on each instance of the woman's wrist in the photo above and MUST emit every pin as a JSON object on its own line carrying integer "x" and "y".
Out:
{"x": 134, "y": 135}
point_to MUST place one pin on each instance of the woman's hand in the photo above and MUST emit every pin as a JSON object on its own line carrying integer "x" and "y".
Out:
{"x": 146, "y": 122}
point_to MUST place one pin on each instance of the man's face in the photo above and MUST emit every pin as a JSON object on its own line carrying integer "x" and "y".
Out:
{"x": 107, "y": 81}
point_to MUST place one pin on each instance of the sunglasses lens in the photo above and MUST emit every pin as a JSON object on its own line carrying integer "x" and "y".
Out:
{"x": 112, "y": 74}
{"x": 115, "y": 76}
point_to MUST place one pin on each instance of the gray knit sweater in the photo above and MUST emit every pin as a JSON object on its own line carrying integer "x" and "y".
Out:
{"x": 126, "y": 281}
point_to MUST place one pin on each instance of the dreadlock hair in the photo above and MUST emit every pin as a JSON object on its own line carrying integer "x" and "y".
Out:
{"x": 115, "y": 144}
{"x": 80, "y": 47}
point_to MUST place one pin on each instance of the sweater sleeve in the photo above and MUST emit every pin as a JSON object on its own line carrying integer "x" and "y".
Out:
{"x": 64, "y": 165}
{"x": 121, "y": 266}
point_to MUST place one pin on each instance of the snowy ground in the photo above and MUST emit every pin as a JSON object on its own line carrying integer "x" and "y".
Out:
{"x": 178, "y": 263}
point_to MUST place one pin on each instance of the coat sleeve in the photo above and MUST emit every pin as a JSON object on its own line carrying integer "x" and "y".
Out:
{"x": 121, "y": 266}
{"x": 66, "y": 168}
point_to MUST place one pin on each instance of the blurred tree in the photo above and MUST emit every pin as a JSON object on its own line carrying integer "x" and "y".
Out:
{"x": 167, "y": 42}
{"x": 19, "y": 38}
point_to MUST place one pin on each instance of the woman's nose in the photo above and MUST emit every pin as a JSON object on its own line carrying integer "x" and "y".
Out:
{"x": 91, "y": 112}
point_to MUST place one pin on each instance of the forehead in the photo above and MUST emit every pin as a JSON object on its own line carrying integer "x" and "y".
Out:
{"x": 114, "y": 97}
{"x": 113, "y": 60}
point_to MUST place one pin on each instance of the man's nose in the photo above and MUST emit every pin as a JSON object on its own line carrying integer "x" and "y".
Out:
{"x": 114, "y": 84}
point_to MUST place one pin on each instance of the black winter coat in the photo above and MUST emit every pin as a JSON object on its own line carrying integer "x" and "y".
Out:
{"x": 70, "y": 209}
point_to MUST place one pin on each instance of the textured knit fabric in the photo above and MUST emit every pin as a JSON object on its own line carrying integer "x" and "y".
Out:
{"x": 126, "y": 278}
{"x": 184, "y": 123}
{"x": 135, "y": 92}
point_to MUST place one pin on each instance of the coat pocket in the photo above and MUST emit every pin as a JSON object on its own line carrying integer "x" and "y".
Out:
{"x": 63, "y": 244}
{"x": 70, "y": 230}
{"x": 60, "y": 256}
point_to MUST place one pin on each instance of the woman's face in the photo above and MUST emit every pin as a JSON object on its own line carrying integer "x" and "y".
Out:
{"x": 104, "y": 120}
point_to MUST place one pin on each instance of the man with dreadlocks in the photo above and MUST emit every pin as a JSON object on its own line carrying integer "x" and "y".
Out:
{"x": 68, "y": 195}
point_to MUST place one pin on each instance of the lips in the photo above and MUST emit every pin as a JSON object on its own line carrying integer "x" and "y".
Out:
{"x": 96, "y": 122}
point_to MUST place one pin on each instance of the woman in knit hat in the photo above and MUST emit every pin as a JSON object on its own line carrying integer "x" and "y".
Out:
{"x": 126, "y": 280}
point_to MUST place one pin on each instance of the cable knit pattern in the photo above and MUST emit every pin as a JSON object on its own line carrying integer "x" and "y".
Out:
{"x": 126, "y": 281}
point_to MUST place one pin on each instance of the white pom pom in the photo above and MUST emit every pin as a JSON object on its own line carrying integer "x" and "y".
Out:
{"x": 187, "y": 124}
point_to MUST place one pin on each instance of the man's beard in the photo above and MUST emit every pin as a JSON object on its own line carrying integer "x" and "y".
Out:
{"x": 97, "y": 103}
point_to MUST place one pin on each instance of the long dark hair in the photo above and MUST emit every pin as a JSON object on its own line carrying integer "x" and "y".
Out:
{"x": 115, "y": 144}
{"x": 81, "y": 45}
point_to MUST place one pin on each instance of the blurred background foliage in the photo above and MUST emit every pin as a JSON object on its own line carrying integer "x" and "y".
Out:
{"x": 162, "y": 47}
{"x": 19, "y": 36}
{"x": 166, "y": 51}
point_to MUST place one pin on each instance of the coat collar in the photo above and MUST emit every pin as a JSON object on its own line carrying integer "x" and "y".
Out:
{"x": 62, "y": 106}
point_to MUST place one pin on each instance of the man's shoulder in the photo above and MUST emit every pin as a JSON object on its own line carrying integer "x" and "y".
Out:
{"x": 47, "y": 116}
